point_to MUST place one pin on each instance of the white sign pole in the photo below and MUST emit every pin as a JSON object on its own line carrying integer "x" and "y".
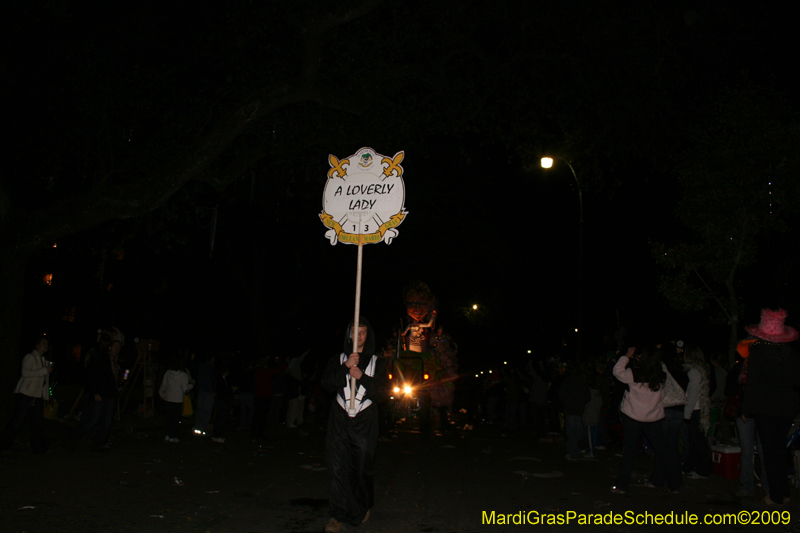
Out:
{"x": 363, "y": 204}
{"x": 355, "y": 321}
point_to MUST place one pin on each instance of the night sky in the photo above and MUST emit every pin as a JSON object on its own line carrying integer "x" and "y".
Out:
{"x": 474, "y": 94}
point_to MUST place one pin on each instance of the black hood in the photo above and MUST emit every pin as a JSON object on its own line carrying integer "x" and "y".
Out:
{"x": 369, "y": 344}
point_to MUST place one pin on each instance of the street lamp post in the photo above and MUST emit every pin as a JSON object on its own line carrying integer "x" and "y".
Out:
{"x": 547, "y": 162}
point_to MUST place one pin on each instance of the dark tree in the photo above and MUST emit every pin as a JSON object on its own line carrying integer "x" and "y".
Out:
{"x": 117, "y": 108}
{"x": 740, "y": 181}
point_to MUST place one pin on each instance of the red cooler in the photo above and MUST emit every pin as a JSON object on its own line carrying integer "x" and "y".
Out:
{"x": 726, "y": 461}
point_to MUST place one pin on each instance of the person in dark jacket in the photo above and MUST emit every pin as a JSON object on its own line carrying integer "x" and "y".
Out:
{"x": 206, "y": 381}
{"x": 246, "y": 389}
{"x": 352, "y": 436}
{"x": 673, "y": 416}
{"x": 574, "y": 394}
{"x": 773, "y": 379}
{"x": 223, "y": 400}
{"x": 736, "y": 383}
{"x": 103, "y": 379}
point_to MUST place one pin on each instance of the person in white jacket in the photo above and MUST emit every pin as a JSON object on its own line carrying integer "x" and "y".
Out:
{"x": 642, "y": 412}
{"x": 32, "y": 390}
{"x": 174, "y": 385}
{"x": 696, "y": 414}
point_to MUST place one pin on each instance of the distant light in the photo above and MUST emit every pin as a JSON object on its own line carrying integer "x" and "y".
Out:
{"x": 476, "y": 375}
{"x": 55, "y": 245}
{"x": 490, "y": 371}
{"x": 529, "y": 351}
{"x": 475, "y": 306}
{"x": 481, "y": 371}
{"x": 547, "y": 162}
{"x": 48, "y": 279}
{"x": 576, "y": 330}
{"x": 505, "y": 362}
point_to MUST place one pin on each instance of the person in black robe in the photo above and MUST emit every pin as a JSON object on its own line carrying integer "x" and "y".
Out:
{"x": 352, "y": 436}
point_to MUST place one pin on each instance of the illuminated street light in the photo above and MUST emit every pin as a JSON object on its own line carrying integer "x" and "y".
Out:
{"x": 475, "y": 307}
{"x": 547, "y": 162}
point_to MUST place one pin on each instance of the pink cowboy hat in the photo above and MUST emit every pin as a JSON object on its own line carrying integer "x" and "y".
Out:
{"x": 772, "y": 328}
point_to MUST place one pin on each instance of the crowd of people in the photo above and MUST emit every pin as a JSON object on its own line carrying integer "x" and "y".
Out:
{"x": 668, "y": 398}
{"x": 202, "y": 388}
{"x": 760, "y": 393}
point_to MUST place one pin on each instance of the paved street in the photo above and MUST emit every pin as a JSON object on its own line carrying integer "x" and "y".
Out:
{"x": 280, "y": 485}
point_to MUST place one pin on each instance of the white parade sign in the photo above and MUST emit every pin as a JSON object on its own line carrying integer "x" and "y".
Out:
{"x": 363, "y": 198}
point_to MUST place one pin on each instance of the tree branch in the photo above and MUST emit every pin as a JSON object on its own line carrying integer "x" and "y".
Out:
{"x": 138, "y": 197}
{"x": 711, "y": 291}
